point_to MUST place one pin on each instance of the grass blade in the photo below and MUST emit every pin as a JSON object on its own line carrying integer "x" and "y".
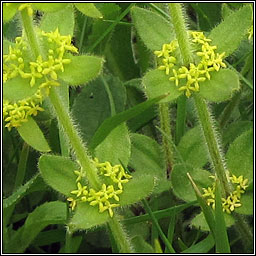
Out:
{"x": 221, "y": 239}
{"x": 207, "y": 211}
{"x": 110, "y": 123}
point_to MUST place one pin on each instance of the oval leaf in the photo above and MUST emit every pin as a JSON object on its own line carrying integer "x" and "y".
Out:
{"x": 153, "y": 29}
{"x": 246, "y": 204}
{"x": 82, "y": 69}
{"x": 87, "y": 216}
{"x": 157, "y": 83}
{"x": 18, "y": 88}
{"x": 221, "y": 86}
{"x": 58, "y": 172}
{"x": 63, "y": 20}
{"x": 89, "y": 9}
{"x": 181, "y": 185}
{"x": 229, "y": 33}
{"x": 240, "y": 156}
{"x": 115, "y": 147}
{"x": 49, "y": 7}
{"x": 192, "y": 148}
{"x": 139, "y": 187}
{"x": 33, "y": 136}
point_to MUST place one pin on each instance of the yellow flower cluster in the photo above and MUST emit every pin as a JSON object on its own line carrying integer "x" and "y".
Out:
{"x": 108, "y": 195}
{"x": 209, "y": 61}
{"x": 40, "y": 71}
{"x": 233, "y": 200}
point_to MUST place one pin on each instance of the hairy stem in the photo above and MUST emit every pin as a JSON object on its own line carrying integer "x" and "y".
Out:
{"x": 165, "y": 124}
{"x": 207, "y": 124}
{"x": 31, "y": 35}
{"x": 74, "y": 139}
{"x": 181, "y": 32}
{"x": 120, "y": 236}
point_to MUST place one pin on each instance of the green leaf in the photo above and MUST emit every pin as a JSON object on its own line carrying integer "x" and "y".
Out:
{"x": 153, "y": 29}
{"x": 146, "y": 156}
{"x": 141, "y": 246}
{"x": 203, "y": 246}
{"x": 58, "y": 172}
{"x": 208, "y": 15}
{"x": 246, "y": 204}
{"x": 206, "y": 209}
{"x": 18, "y": 88}
{"x": 192, "y": 148}
{"x": 180, "y": 182}
{"x": 110, "y": 123}
{"x": 116, "y": 146}
{"x": 87, "y": 216}
{"x": 200, "y": 223}
{"x": 235, "y": 129}
{"x": 91, "y": 107}
{"x": 44, "y": 215}
{"x": 221, "y": 238}
{"x": 240, "y": 156}
{"x": 221, "y": 86}
{"x": 6, "y": 44}
{"x": 119, "y": 54}
{"x": 139, "y": 187}
{"x": 49, "y": 7}
{"x": 63, "y": 20}
{"x": 88, "y": 9}
{"x": 9, "y": 11}
{"x": 229, "y": 33}
{"x": 82, "y": 69}
{"x": 33, "y": 136}
{"x": 19, "y": 193}
{"x": 156, "y": 83}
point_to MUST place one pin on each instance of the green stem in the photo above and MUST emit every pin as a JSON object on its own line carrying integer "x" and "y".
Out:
{"x": 181, "y": 32}
{"x": 207, "y": 124}
{"x": 120, "y": 235}
{"x": 185, "y": 50}
{"x": 165, "y": 124}
{"x": 31, "y": 35}
{"x": 75, "y": 140}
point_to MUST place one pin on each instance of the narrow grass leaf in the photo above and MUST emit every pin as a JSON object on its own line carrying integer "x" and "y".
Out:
{"x": 110, "y": 123}
{"x": 221, "y": 239}
{"x": 201, "y": 247}
{"x": 208, "y": 213}
{"x": 44, "y": 215}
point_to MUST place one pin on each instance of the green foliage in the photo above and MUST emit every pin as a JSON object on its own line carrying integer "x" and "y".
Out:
{"x": 62, "y": 19}
{"x": 153, "y": 29}
{"x": 78, "y": 75}
{"x": 44, "y": 215}
{"x": 88, "y": 9}
{"x": 58, "y": 172}
{"x": 86, "y": 217}
{"x": 221, "y": 86}
{"x": 235, "y": 26}
{"x": 33, "y": 136}
{"x": 240, "y": 156}
{"x": 180, "y": 182}
{"x": 82, "y": 69}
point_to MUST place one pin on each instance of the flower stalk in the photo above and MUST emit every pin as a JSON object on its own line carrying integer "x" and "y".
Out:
{"x": 73, "y": 136}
